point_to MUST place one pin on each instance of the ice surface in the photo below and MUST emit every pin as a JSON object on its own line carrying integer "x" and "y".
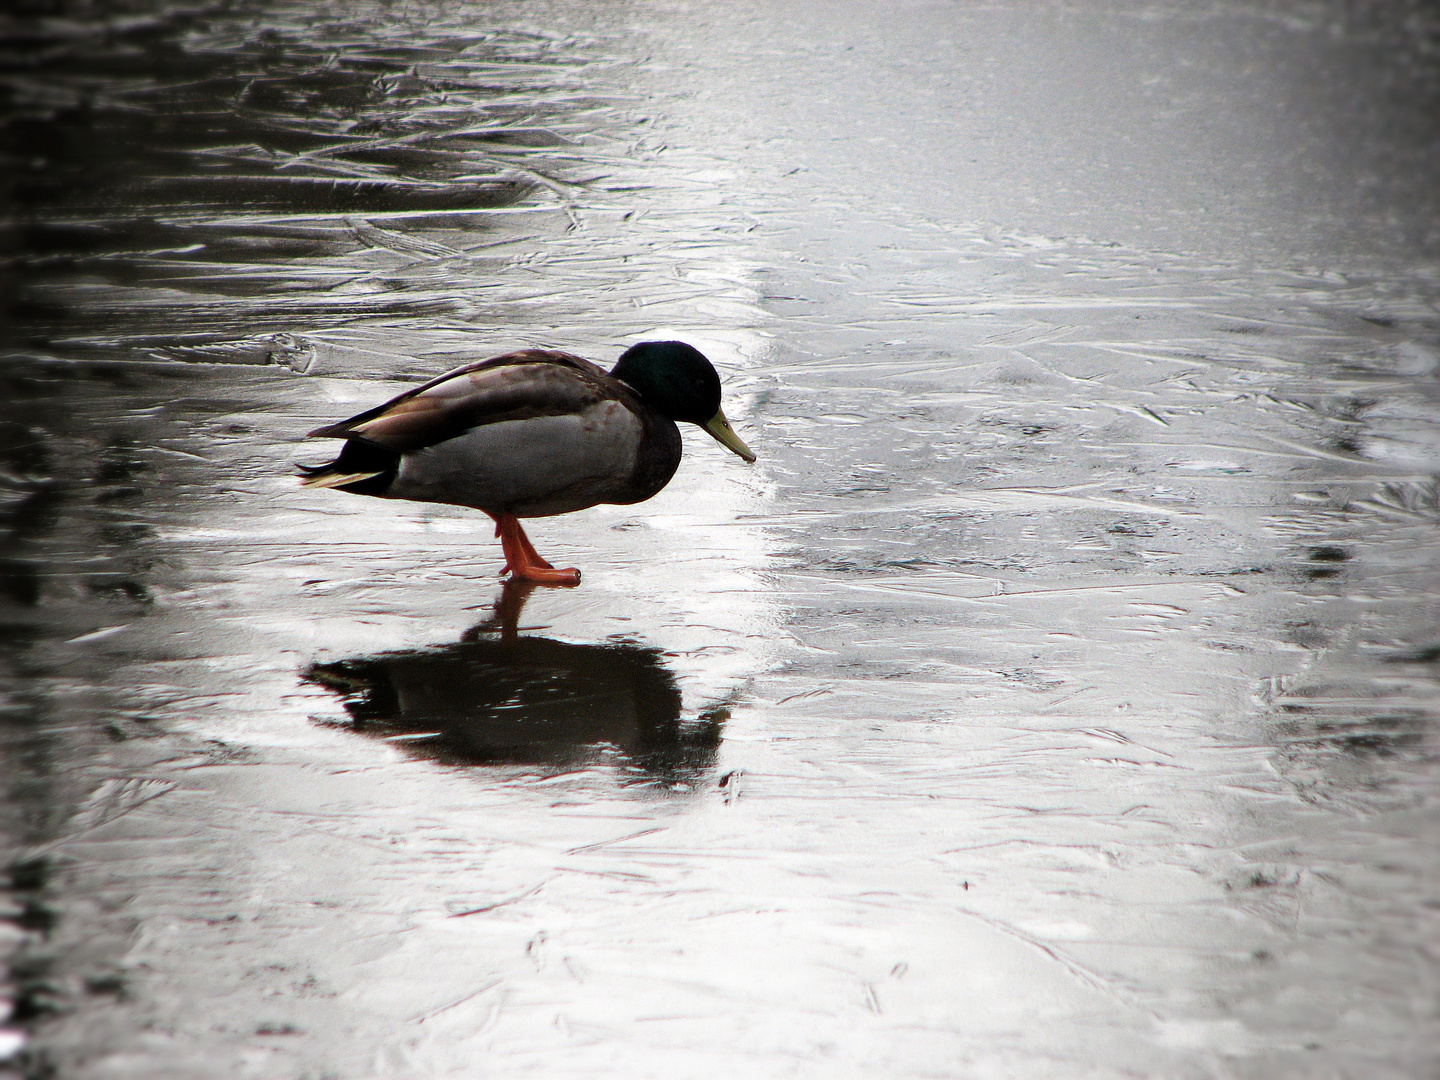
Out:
{"x": 1054, "y": 698}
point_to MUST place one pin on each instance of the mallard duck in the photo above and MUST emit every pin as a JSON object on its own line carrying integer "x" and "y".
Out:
{"x": 531, "y": 434}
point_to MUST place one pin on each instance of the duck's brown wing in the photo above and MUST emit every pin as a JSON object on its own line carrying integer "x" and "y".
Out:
{"x": 516, "y": 386}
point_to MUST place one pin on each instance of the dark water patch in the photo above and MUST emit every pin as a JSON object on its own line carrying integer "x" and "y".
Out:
{"x": 1379, "y": 736}
{"x": 1430, "y": 654}
{"x": 1325, "y": 562}
{"x": 135, "y": 145}
{"x": 29, "y": 874}
{"x": 328, "y": 194}
{"x": 38, "y": 995}
{"x": 19, "y": 582}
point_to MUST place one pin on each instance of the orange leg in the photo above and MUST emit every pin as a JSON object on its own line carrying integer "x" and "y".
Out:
{"x": 521, "y": 558}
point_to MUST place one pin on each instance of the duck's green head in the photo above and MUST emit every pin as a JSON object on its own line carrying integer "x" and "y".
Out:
{"x": 676, "y": 380}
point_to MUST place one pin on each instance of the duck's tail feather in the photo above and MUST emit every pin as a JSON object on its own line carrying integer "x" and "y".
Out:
{"x": 362, "y": 468}
{"x": 325, "y": 479}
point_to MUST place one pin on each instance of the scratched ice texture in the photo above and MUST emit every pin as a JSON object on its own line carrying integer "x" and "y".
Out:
{"x": 1056, "y": 696}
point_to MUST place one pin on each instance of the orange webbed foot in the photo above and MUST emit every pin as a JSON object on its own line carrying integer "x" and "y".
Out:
{"x": 542, "y": 576}
{"x": 523, "y": 561}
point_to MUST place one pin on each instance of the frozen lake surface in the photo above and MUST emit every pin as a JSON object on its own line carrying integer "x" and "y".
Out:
{"x": 1056, "y": 696}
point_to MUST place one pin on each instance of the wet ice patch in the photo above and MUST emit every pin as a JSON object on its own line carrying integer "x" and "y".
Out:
{"x": 1058, "y": 930}
{"x": 1229, "y": 1037}
{"x": 1221, "y": 465}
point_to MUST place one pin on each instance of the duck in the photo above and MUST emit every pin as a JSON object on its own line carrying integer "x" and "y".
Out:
{"x": 532, "y": 433}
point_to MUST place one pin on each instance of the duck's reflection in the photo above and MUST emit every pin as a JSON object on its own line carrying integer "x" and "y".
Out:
{"x": 497, "y": 697}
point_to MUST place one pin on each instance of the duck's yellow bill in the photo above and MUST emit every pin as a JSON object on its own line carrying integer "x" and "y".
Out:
{"x": 725, "y": 435}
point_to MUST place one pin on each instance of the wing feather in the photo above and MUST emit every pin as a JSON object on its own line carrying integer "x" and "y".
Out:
{"x": 516, "y": 386}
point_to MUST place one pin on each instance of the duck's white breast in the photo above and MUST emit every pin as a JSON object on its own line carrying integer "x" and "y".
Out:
{"x": 533, "y": 468}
